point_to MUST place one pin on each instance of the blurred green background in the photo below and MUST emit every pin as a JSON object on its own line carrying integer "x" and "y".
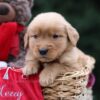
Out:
{"x": 84, "y": 15}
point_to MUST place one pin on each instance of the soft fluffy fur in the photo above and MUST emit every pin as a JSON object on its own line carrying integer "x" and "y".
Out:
{"x": 23, "y": 9}
{"x": 51, "y": 31}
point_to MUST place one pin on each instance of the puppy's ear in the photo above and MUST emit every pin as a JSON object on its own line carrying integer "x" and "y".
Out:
{"x": 72, "y": 33}
{"x": 26, "y": 40}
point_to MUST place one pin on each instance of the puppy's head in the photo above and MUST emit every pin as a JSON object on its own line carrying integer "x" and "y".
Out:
{"x": 49, "y": 35}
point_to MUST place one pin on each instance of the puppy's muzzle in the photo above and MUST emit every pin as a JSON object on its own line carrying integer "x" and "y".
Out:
{"x": 43, "y": 51}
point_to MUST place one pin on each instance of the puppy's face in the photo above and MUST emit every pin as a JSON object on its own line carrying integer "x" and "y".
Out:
{"x": 47, "y": 37}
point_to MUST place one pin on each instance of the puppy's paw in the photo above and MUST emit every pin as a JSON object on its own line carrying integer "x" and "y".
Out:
{"x": 46, "y": 78}
{"x": 29, "y": 70}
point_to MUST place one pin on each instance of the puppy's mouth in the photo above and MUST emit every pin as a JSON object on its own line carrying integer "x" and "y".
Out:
{"x": 45, "y": 59}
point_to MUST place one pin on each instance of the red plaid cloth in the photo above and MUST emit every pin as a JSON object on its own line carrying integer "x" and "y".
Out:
{"x": 15, "y": 86}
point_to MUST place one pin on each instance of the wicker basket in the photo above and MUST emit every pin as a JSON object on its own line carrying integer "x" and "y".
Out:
{"x": 70, "y": 86}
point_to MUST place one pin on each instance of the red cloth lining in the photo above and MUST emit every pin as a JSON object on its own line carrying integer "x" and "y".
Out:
{"x": 17, "y": 87}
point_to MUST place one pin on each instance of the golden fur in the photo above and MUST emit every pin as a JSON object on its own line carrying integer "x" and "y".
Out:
{"x": 52, "y": 32}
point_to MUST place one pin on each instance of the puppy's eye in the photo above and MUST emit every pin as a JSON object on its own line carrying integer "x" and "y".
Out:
{"x": 35, "y": 36}
{"x": 55, "y": 36}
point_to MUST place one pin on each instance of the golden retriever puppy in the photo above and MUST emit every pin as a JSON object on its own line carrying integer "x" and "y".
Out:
{"x": 51, "y": 43}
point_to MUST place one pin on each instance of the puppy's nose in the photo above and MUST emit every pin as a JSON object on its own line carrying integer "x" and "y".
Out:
{"x": 43, "y": 51}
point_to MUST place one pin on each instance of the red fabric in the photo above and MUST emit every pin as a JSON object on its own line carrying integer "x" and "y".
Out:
{"x": 9, "y": 39}
{"x": 17, "y": 87}
{"x": 91, "y": 81}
